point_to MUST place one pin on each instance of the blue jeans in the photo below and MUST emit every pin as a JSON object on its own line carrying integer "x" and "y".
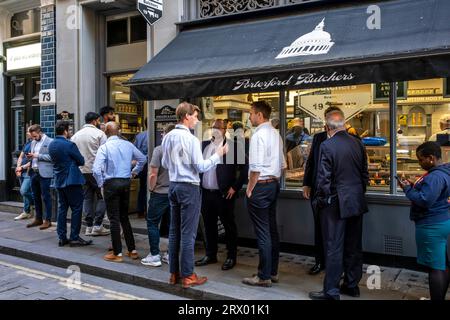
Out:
{"x": 70, "y": 196}
{"x": 41, "y": 191}
{"x": 158, "y": 205}
{"x": 25, "y": 191}
{"x": 185, "y": 199}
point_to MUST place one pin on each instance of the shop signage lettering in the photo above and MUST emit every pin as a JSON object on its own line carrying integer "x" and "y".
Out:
{"x": 23, "y": 57}
{"x": 165, "y": 113}
{"x": 304, "y": 78}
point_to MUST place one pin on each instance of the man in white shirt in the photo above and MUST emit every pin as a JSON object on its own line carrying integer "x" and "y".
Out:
{"x": 266, "y": 161}
{"x": 183, "y": 158}
{"x": 88, "y": 139}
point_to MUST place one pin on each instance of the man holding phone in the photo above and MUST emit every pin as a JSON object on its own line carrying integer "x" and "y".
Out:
{"x": 220, "y": 187}
{"x": 41, "y": 176}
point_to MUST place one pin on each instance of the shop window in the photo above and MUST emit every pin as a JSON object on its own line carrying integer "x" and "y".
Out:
{"x": 117, "y": 32}
{"x": 367, "y": 119}
{"x": 129, "y": 112}
{"x": 423, "y": 114}
{"x": 138, "y": 29}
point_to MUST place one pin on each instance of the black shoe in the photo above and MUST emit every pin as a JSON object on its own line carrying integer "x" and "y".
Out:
{"x": 229, "y": 264}
{"x": 80, "y": 242}
{"x": 63, "y": 242}
{"x": 205, "y": 260}
{"x": 321, "y": 296}
{"x": 352, "y": 292}
{"x": 316, "y": 269}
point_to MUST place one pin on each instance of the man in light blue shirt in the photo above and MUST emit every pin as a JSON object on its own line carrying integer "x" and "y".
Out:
{"x": 183, "y": 158}
{"x": 112, "y": 170}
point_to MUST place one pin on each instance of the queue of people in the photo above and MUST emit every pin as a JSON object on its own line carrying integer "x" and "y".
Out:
{"x": 188, "y": 180}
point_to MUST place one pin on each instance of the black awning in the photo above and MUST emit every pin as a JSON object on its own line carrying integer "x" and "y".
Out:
{"x": 339, "y": 46}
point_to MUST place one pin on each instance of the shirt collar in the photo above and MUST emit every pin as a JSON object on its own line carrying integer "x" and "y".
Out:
{"x": 60, "y": 137}
{"x": 88, "y": 125}
{"x": 182, "y": 126}
{"x": 113, "y": 138}
{"x": 264, "y": 124}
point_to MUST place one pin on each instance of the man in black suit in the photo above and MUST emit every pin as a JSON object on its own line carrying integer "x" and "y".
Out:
{"x": 220, "y": 187}
{"x": 309, "y": 182}
{"x": 341, "y": 183}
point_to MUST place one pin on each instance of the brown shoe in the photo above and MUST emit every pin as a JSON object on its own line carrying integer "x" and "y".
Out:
{"x": 275, "y": 278}
{"x": 47, "y": 224}
{"x": 174, "y": 278}
{"x": 35, "y": 223}
{"x": 256, "y": 281}
{"x": 133, "y": 255}
{"x": 193, "y": 280}
{"x": 111, "y": 257}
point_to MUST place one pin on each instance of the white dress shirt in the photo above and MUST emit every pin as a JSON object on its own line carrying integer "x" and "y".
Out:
{"x": 266, "y": 154}
{"x": 210, "y": 177}
{"x": 36, "y": 149}
{"x": 182, "y": 156}
{"x": 88, "y": 140}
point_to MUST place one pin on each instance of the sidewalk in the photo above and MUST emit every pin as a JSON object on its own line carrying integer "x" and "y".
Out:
{"x": 295, "y": 283}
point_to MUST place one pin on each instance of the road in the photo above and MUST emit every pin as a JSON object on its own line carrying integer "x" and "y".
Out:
{"x": 22, "y": 279}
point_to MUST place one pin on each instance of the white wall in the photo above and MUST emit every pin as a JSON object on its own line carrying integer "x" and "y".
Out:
{"x": 66, "y": 57}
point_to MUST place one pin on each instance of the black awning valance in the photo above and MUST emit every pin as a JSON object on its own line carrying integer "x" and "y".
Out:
{"x": 340, "y": 46}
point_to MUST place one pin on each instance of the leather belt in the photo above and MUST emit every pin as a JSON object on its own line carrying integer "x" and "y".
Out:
{"x": 268, "y": 180}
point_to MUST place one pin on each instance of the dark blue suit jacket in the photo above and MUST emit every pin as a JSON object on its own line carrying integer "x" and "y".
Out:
{"x": 313, "y": 160}
{"x": 232, "y": 174}
{"x": 66, "y": 159}
{"x": 343, "y": 174}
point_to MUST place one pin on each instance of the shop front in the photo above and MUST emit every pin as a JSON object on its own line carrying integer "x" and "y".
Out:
{"x": 22, "y": 50}
{"x": 391, "y": 83}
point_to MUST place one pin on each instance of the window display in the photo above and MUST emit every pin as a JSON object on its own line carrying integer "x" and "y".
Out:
{"x": 129, "y": 113}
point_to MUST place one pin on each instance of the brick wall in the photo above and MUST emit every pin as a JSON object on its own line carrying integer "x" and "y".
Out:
{"x": 48, "y": 66}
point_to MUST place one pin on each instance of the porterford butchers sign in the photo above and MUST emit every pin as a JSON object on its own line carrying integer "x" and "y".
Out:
{"x": 294, "y": 81}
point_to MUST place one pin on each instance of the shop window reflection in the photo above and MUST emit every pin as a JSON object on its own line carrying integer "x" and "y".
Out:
{"x": 367, "y": 119}
{"x": 423, "y": 115}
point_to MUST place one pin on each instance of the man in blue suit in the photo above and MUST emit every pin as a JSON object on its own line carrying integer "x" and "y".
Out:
{"x": 342, "y": 177}
{"x": 69, "y": 180}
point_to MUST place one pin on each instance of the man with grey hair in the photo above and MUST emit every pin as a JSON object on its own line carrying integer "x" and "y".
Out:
{"x": 444, "y": 123}
{"x": 340, "y": 199}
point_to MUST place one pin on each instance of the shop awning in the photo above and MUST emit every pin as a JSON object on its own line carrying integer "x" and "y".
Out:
{"x": 336, "y": 47}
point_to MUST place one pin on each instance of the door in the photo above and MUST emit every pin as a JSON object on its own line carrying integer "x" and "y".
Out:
{"x": 24, "y": 110}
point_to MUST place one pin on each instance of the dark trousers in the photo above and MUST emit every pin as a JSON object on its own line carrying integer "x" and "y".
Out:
{"x": 41, "y": 191}
{"x": 94, "y": 205}
{"x": 215, "y": 205}
{"x": 117, "y": 195}
{"x": 70, "y": 196}
{"x": 158, "y": 206}
{"x": 343, "y": 248}
{"x": 319, "y": 251}
{"x": 185, "y": 199}
{"x": 142, "y": 195}
{"x": 262, "y": 207}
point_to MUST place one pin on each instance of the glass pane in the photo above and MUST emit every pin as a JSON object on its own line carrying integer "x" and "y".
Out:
{"x": 138, "y": 29}
{"x": 129, "y": 113}
{"x": 367, "y": 118}
{"x": 423, "y": 114}
{"x": 117, "y": 32}
{"x": 18, "y": 127}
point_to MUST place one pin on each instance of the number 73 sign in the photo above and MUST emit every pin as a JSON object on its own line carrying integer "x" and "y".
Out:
{"x": 47, "y": 97}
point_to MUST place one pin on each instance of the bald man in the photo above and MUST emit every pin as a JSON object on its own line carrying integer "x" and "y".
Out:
{"x": 220, "y": 187}
{"x": 113, "y": 170}
{"x": 444, "y": 123}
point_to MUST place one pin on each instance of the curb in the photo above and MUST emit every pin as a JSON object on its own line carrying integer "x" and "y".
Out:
{"x": 116, "y": 275}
